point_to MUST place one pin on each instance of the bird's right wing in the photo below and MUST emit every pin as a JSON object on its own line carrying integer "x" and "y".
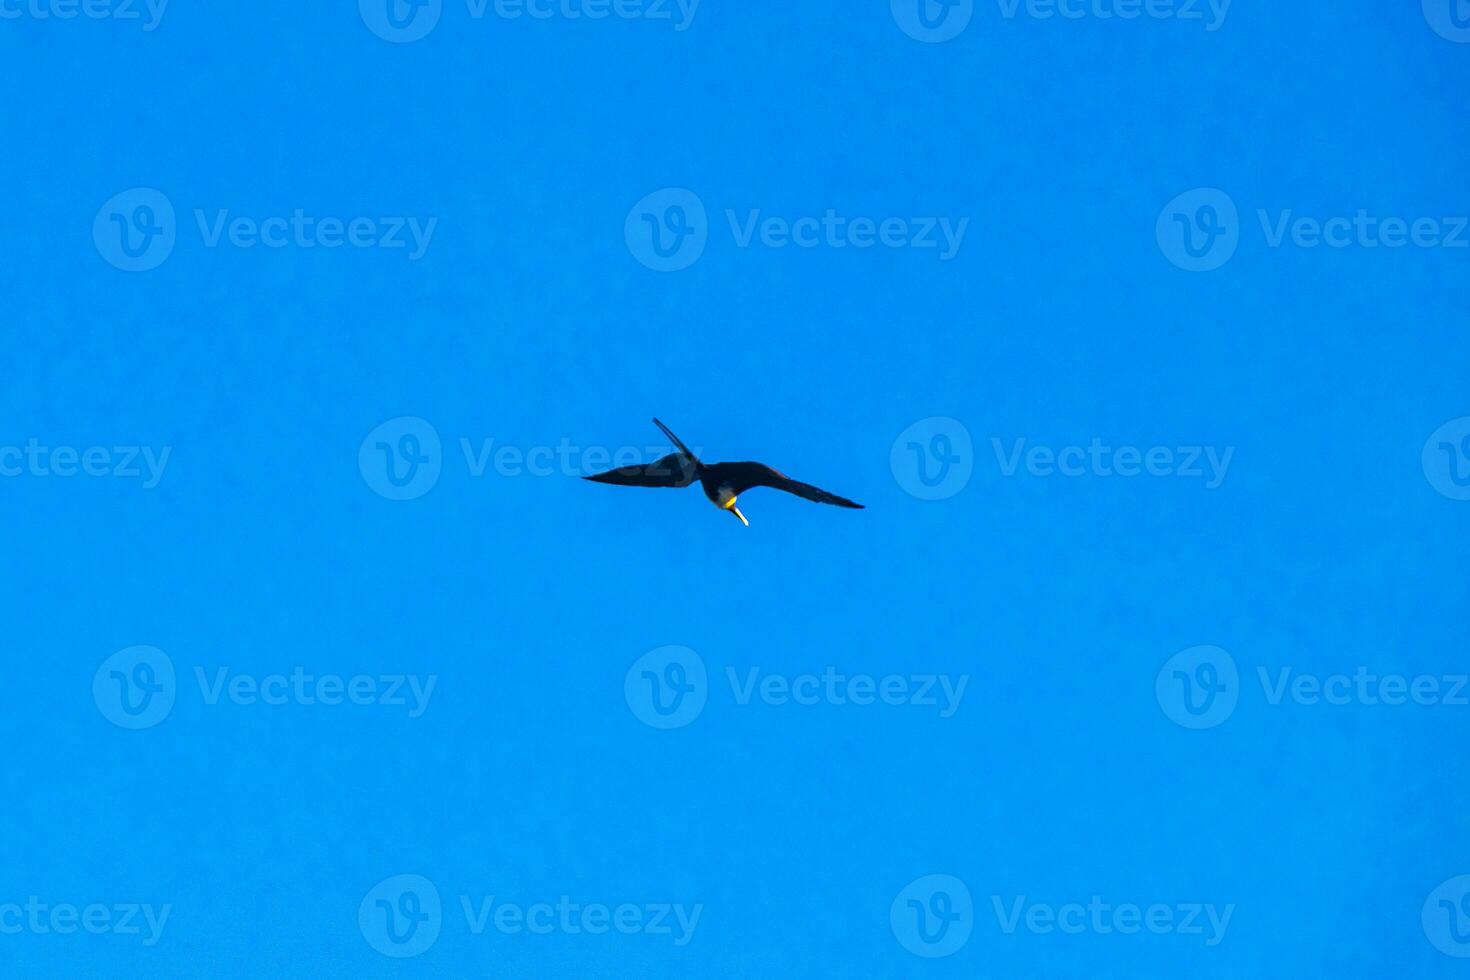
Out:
{"x": 743, "y": 476}
{"x": 673, "y": 470}
{"x": 814, "y": 494}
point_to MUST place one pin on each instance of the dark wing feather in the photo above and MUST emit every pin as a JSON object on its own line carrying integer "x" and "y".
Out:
{"x": 674, "y": 439}
{"x": 742, "y": 476}
{"x": 674, "y": 470}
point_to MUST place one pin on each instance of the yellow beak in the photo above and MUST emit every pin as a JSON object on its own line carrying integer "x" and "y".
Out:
{"x": 730, "y": 506}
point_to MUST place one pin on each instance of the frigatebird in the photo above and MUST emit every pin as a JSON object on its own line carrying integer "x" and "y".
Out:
{"x": 722, "y": 482}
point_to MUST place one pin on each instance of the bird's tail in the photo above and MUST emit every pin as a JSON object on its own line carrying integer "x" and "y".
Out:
{"x": 682, "y": 448}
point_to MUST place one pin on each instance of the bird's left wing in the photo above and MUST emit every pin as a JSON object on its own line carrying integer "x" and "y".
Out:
{"x": 673, "y": 470}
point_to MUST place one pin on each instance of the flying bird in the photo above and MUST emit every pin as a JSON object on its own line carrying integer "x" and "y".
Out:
{"x": 722, "y": 482}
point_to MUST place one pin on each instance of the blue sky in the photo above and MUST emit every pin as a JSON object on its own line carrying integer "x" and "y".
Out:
{"x": 1137, "y": 328}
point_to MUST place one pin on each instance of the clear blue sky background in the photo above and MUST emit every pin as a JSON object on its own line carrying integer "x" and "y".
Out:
{"x": 529, "y": 321}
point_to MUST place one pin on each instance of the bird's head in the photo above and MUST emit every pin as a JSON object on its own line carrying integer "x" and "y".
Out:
{"x": 729, "y": 506}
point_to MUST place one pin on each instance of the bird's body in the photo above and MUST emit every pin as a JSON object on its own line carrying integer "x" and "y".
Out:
{"x": 723, "y": 483}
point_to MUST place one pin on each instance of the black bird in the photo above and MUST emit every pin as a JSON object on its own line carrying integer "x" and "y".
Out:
{"x": 722, "y": 482}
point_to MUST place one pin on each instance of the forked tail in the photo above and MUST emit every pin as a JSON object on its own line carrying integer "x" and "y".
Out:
{"x": 682, "y": 448}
